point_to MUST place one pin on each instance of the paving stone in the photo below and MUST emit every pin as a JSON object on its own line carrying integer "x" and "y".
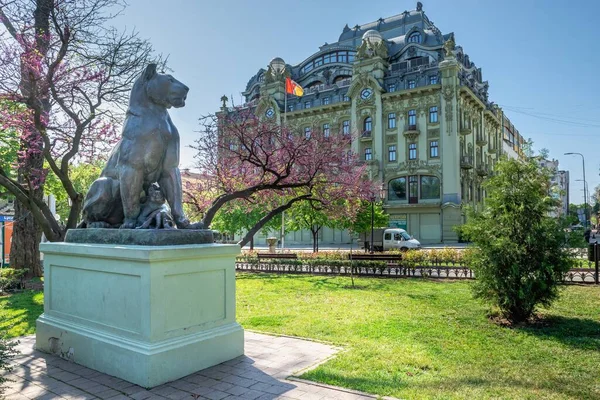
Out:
{"x": 180, "y": 394}
{"x": 239, "y": 381}
{"x": 163, "y": 390}
{"x": 16, "y": 396}
{"x": 222, "y": 386}
{"x": 251, "y": 394}
{"x": 108, "y": 394}
{"x": 142, "y": 395}
{"x": 237, "y": 390}
{"x": 260, "y": 374}
{"x": 132, "y": 389}
{"x": 65, "y": 376}
{"x": 216, "y": 395}
{"x": 183, "y": 385}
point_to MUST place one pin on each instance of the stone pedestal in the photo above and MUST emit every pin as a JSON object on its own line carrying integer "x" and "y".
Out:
{"x": 272, "y": 242}
{"x": 145, "y": 314}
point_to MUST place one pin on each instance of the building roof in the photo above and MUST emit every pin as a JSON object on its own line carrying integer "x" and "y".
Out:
{"x": 395, "y": 32}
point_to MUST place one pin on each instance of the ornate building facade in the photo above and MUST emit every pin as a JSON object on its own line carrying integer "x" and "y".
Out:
{"x": 418, "y": 106}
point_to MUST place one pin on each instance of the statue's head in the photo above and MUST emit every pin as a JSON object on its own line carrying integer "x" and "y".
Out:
{"x": 155, "y": 194}
{"x": 160, "y": 89}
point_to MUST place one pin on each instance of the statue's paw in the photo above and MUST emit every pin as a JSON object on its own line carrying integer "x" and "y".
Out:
{"x": 195, "y": 225}
{"x": 182, "y": 223}
{"x": 128, "y": 224}
{"x": 99, "y": 224}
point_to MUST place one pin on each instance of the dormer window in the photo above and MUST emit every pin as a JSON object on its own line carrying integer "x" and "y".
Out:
{"x": 414, "y": 37}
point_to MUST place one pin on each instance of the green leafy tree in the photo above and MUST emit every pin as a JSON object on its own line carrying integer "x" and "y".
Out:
{"x": 520, "y": 257}
{"x": 82, "y": 176}
{"x": 9, "y": 146}
{"x": 312, "y": 216}
{"x": 362, "y": 222}
{"x": 237, "y": 217}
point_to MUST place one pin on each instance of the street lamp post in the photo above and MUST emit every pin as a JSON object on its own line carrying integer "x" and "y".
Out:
{"x": 374, "y": 197}
{"x": 584, "y": 187}
{"x": 372, "y": 220}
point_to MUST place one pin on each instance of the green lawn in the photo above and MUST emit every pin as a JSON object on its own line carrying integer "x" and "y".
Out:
{"x": 422, "y": 339}
{"x": 18, "y": 312}
{"x": 410, "y": 338}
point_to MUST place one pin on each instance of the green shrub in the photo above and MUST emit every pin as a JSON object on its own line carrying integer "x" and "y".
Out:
{"x": 11, "y": 279}
{"x": 7, "y": 352}
{"x": 519, "y": 258}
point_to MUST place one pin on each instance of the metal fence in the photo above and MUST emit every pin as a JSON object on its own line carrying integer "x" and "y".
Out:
{"x": 575, "y": 275}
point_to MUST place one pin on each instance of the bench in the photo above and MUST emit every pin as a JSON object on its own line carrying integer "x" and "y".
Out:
{"x": 390, "y": 258}
{"x": 281, "y": 256}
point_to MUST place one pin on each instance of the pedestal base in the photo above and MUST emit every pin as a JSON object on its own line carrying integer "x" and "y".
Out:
{"x": 148, "y": 315}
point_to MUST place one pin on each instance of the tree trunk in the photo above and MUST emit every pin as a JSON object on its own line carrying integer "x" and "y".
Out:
{"x": 252, "y": 243}
{"x": 315, "y": 234}
{"x": 25, "y": 247}
{"x": 27, "y": 233}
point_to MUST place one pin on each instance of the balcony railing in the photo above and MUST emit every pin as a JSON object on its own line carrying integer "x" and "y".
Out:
{"x": 482, "y": 170}
{"x": 411, "y": 131}
{"x": 323, "y": 87}
{"x": 366, "y": 135}
{"x": 465, "y": 130}
{"x": 466, "y": 162}
{"x": 407, "y": 67}
{"x": 481, "y": 141}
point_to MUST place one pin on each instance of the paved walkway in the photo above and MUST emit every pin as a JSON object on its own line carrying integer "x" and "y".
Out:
{"x": 260, "y": 374}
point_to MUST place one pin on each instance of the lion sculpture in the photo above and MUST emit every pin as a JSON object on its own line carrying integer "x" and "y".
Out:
{"x": 147, "y": 153}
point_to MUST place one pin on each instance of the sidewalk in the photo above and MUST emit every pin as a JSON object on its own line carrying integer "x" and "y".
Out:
{"x": 346, "y": 246}
{"x": 262, "y": 373}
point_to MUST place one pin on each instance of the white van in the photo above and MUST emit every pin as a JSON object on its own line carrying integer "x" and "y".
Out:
{"x": 390, "y": 238}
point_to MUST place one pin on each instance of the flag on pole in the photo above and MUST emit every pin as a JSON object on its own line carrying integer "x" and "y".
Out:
{"x": 292, "y": 87}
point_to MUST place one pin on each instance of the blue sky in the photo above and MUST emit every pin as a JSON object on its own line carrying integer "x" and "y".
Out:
{"x": 540, "y": 57}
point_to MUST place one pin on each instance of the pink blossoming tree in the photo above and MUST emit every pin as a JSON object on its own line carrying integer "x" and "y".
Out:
{"x": 65, "y": 75}
{"x": 244, "y": 158}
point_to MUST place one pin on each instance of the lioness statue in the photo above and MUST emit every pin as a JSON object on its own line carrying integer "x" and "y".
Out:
{"x": 147, "y": 153}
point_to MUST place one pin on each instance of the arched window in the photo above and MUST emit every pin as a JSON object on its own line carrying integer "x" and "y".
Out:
{"x": 367, "y": 125}
{"x": 430, "y": 187}
{"x": 397, "y": 189}
{"x": 414, "y": 37}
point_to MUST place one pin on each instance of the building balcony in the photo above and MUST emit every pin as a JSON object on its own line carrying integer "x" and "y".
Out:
{"x": 481, "y": 141}
{"x": 465, "y": 131}
{"x": 482, "y": 170}
{"x": 366, "y": 136}
{"x": 492, "y": 149}
{"x": 466, "y": 162}
{"x": 411, "y": 132}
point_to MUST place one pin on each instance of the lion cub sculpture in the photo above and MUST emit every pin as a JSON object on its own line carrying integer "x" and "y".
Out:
{"x": 148, "y": 152}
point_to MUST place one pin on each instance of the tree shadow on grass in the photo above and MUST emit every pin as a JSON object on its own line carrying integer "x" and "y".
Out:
{"x": 445, "y": 387}
{"x": 580, "y": 333}
{"x": 19, "y": 312}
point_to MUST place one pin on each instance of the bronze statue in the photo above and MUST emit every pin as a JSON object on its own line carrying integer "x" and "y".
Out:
{"x": 147, "y": 153}
{"x": 155, "y": 212}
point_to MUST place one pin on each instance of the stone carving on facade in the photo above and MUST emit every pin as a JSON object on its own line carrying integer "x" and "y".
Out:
{"x": 412, "y": 166}
{"x": 224, "y": 100}
{"x": 367, "y": 49}
{"x": 433, "y": 133}
{"x": 449, "y": 47}
{"x": 449, "y": 94}
{"x": 370, "y": 102}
